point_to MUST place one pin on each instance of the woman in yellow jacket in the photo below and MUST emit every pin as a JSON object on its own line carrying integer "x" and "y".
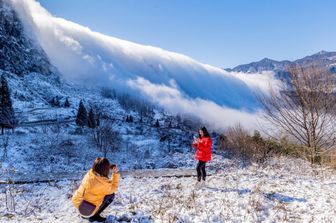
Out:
{"x": 96, "y": 191}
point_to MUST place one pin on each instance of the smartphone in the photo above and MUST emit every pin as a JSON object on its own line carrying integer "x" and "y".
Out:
{"x": 196, "y": 136}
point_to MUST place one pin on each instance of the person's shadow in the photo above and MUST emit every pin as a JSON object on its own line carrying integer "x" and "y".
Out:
{"x": 111, "y": 219}
{"x": 128, "y": 218}
{"x": 271, "y": 196}
{"x": 284, "y": 198}
{"x": 226, "y": 190}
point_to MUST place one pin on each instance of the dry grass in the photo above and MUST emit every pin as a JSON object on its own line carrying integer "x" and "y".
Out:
{"x": 329, "y": 159}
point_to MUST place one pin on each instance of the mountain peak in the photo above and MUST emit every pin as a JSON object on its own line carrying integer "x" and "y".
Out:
{"x": 267, "y": 60}
{"x": 322, "y": 52}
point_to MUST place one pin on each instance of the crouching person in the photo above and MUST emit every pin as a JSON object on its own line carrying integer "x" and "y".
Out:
{"x": 96, "y": 191}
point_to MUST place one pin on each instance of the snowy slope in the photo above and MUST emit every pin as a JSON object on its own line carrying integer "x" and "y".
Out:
{"x": 172, "y": 80}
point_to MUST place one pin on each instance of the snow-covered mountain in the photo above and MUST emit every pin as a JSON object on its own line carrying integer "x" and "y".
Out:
{"x": 265, "y": 64}
{"x": 174, "y": 81}
{"x": 322, "y": 58}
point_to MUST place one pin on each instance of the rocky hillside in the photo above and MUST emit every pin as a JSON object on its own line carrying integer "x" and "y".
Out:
{"x": 33, "y": 80}
{"x": 19, "y": 54}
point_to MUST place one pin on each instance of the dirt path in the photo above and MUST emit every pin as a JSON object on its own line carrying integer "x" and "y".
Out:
{"x": 21, "y": 178}
{"x": 64, "y": 120}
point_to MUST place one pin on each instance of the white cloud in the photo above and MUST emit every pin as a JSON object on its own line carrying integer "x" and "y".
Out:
{"x": 172, "y": 80}
{"x": 259, "y": 81}
{"x": 218, "y": 117}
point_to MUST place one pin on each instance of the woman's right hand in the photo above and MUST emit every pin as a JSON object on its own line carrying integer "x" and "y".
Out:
{"x": 115, "y": 169}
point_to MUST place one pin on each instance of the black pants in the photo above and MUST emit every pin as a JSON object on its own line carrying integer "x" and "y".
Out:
{"x": 107, "y": 201}
{"x": 201, "y": 174}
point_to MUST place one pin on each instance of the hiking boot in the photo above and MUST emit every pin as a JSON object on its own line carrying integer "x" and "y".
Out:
{"x": 97, "y": 218}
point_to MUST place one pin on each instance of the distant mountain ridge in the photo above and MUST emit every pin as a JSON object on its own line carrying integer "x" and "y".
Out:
{"x": 322, "y": 58}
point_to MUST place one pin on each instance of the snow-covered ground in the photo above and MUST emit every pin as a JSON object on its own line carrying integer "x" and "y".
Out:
{"x": 283, "y": 190}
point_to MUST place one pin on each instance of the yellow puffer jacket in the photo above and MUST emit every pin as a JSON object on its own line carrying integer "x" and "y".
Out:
{"x": 94, "y": 188}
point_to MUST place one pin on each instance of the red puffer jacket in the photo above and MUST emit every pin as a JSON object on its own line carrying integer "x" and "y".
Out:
{"x": 203, "y": 152}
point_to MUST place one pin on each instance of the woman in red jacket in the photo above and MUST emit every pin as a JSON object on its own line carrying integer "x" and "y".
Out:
{"x": 203, "y": 145}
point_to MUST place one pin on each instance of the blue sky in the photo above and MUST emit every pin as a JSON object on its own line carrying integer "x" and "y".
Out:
{"x": 224, "y": 33}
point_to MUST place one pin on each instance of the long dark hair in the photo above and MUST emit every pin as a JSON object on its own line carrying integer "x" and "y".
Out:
{"x": 205, "y": 131}
{"x": 101, "y": 166}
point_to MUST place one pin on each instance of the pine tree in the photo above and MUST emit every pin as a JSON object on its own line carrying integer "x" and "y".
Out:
{"x": 141, "y": 117}
{"x": 130, "y": 118}
{"x": 157, "y": 124}
{"x": 92, "y": 120}
{"x": 7, "y": 117}
{"x": 82, "y": 118}
{"x": 66, "y": 103}
{"x": 98, "y": 119}
{"x": 127, "y": 118}
{"x": 57, "y": 102}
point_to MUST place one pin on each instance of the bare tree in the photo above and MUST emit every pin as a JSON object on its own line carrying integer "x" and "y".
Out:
{"x": 304, "y": 109}
{"x": 238, "y": 142}
{"x": 67, "y": 148}
{"x": 53, "y": 134}
{"x": 222, "y": 142}
{"x": 249, "y": 148}
{"x": 105, "y": 138}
